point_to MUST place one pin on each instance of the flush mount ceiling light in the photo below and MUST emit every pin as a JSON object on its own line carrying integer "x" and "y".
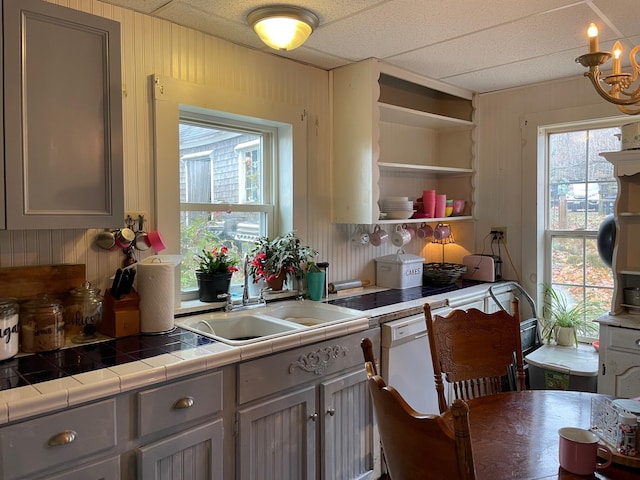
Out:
{"x": 282, "y": 27}
{"x": 615, "y": 87}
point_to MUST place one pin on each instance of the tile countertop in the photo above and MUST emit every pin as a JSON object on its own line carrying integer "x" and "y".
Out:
{"x": 37, "y": 384}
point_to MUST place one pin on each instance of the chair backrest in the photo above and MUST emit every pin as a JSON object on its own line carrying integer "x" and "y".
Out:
{"x": 367, "y": 351}
{"x": 474, "y": 350}
{"x": 421, "y": 445}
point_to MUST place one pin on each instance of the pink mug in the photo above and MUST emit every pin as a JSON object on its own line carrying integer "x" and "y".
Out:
{"x": 578, "y": 452}
{"x": 378, "y": 237}
{"x": 441, "y": 231}
{"x": 424, "y": 231}
{"x": 458, "y": 207}
{"x": 411, "y": 230}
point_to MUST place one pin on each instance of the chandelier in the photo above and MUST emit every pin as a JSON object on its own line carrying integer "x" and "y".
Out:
{"x": 614, "y": 87}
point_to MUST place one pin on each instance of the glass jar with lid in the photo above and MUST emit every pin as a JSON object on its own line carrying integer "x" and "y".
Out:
{"x": 83, "y": 313}
{"x": 8, "y": 328}
{"x": 41, "y": 324}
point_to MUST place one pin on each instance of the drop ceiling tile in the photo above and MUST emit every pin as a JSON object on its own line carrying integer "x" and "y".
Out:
{"x": 501, "y": 45}
{"x": 405, "y": 25}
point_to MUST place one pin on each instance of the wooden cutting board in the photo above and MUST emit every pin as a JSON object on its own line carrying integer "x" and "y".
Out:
{"x": 28, "y": 282}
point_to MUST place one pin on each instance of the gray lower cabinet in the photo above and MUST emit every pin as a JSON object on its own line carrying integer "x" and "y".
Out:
{"x": 188, "y": 453}
{"x": 63, "y": 152}
{"x": 108, "y": 469}
{"x": 306, "y": 414}
{"x": 71, "y": 439}
{"x": 277, "y": 438}
{"x": 193, "y": 454}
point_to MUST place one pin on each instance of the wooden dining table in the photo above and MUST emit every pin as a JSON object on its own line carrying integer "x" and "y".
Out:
{"x": 514, "y": 435}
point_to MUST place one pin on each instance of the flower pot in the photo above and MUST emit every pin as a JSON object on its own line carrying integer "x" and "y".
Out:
{"x": 210, "y": 285}
{"x": 565, "y": 336}
{"x": 275, "y": 284}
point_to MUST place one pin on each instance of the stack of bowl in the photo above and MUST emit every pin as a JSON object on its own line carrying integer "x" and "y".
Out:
{"x": 397, "y": 208}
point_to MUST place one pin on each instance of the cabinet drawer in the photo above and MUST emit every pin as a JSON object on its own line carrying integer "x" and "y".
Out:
{"x": 108, "y": 469}
{"x": 624, "y": 338}
{"x": 54, "y": 440}
{"x": 280, "y": 371}
{"x": 180, "y": 402}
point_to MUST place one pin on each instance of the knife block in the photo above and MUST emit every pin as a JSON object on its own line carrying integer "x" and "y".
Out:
{"x": 120, "y": 317}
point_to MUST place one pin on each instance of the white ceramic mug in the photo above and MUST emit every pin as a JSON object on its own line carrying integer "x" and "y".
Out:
{"x": 360, "y": 237}
{"x": 378, "y": 237}
{"x": 578, "y": 451}
{"x": 400, "y": 237}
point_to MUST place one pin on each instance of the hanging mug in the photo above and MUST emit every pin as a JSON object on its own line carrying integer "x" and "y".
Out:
{"x": 441, "y": 231}
{"x": 378, "y": 237}
{"x": 424, "y": 231}
{"x": 400, "y": 237}
{"x": 411, "y": 230}
{"x": 360, "y": 238}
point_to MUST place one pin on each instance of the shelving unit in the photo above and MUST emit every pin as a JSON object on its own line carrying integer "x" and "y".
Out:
{"x": 396, "y": 133}
{"x": 626, "y": 255}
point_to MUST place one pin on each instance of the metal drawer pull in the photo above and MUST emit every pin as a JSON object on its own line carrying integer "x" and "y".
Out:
{"x": 331, "y": 411}
{"x": 184, "y": 402}
{"x": 638, "y": 342}
{"x": 314, "y": 417}
{"x": 62, "y": 438}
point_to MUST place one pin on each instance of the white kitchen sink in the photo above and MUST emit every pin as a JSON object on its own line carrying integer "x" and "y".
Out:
{"x": 246, "y": 326}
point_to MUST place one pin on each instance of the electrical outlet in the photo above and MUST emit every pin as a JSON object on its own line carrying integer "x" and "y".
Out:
{"x": 500, "y": 233}
{"x": 133, "y": 216}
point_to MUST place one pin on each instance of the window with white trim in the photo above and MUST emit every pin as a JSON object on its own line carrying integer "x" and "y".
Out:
{"x": 581, "y": 191}
{"x": 225, "y": 188}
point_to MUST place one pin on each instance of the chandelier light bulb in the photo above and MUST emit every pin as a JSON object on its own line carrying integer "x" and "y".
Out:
{"x": 592, "y": 33}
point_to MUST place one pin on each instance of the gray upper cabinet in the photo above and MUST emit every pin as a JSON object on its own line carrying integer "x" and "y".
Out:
{"x": 62, "y": 118}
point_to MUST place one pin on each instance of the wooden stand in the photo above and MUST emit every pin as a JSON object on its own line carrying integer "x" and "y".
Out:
{"x": 120, "y": 318}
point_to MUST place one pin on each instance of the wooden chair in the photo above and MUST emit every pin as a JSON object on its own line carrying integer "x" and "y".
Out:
{"x": 474, "y": 350}
{"x": 421, "y": 445}
{"x": 367, "y": 352}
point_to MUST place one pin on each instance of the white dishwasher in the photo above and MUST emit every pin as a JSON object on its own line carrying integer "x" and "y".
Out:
{"x": 406, "y": 361}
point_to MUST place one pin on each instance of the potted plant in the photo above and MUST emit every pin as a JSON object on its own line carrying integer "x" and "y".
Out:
{"x": 562, "y": 317}
{"x": 215, "y": 268}
{"x": 274, "y": 259}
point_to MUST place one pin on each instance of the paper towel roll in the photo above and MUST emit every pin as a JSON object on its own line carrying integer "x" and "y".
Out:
{"x": 155, "y": 286}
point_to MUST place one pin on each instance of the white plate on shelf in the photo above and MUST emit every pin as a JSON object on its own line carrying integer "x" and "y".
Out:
{"x": 400, "y": 215}
{"x": 629, "y": 405}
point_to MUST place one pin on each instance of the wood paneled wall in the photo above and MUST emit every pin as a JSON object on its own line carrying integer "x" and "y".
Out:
{"x": 156, "y": 46}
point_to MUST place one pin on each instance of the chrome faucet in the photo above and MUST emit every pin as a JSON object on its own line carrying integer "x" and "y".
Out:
{"x": 245, "y": 287}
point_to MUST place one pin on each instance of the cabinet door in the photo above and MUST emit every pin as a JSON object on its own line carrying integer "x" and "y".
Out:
{"x": 63, "y": 118}
{"x": 621, "y": 376}
{"x": 277, "y": 438}
{"x": 193, "y": 454}
{"x": 347, "y": 434}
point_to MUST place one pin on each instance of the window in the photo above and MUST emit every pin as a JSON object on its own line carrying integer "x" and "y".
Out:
{"x": 225, "y": 194}
{"x": 581, "y": 191}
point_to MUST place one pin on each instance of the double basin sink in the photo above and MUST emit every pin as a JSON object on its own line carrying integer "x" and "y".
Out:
{"x": 247, "y": 326}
